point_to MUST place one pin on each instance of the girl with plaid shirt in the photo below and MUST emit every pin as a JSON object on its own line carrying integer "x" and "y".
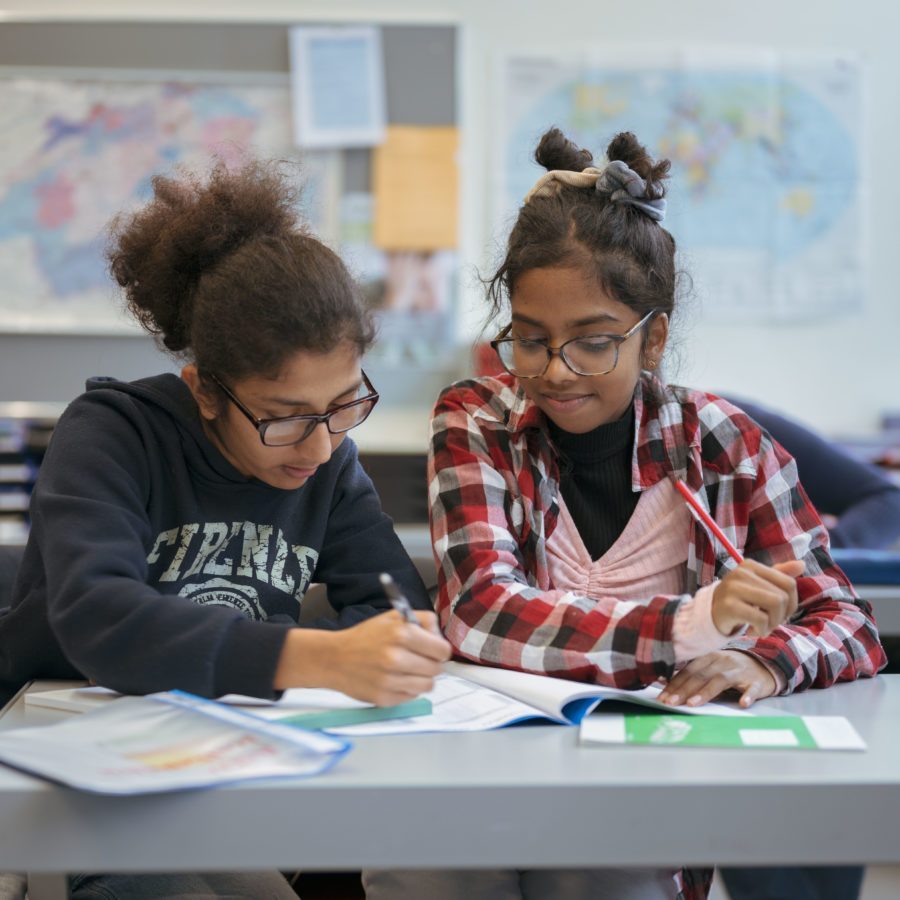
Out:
{"x": 562, "y": 545}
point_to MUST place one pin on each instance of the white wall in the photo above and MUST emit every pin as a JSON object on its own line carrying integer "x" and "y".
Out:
{"x": 837, "y": 376}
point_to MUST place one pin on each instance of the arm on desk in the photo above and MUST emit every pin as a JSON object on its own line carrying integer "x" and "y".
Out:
{"x": 865, "y": 502}
{"x": 832, "y": 636}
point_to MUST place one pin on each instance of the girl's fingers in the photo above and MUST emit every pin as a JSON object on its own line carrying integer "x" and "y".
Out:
{"x": 780, "y": 576}
{"x": 403, "y": 689}
{"x": 768, "y": 597}
{"x": 749, "y": 697}
{"x": 403, "y": 662}
{"x": 414, "y": 685}
{"x": 713, "y": 687}
{"x": 783, "y": 578}
{"x": 426, "y": 643}
{"x": 685, "y": 684}
{"x": 753, "y": 616}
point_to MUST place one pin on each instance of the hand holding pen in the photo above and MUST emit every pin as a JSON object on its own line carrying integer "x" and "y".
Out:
{"x": 755, "y": 595}
{"x": 383, "y": 660}
{"x": 401, "y": 604}
{"x": 397, "y": 598}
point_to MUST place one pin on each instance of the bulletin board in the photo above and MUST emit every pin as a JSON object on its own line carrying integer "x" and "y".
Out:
{"x": 91, "y": 111}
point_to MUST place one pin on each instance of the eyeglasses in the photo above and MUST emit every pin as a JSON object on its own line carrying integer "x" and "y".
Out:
{"x": 590, "y": 354}
{"x": 288, "y": 430}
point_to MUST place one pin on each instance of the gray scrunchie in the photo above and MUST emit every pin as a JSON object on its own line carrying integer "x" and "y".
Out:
{"x": 621, "y": 183}
{"x": 624, "y": 185}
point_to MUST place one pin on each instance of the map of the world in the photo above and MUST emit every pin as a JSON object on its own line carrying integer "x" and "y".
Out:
{"x": 765, "y": 189}
{"x": 75, "y": 153}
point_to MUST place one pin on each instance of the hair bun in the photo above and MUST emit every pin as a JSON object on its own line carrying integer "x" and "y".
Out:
{"x": 556, "y": 152}
{"x": 159, "y": 254}
{"x": 627, "y": 148}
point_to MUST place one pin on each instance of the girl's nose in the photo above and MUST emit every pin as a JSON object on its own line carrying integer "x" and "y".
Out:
{"x": 317, "y": 448}
{"x": 557, "y": 371}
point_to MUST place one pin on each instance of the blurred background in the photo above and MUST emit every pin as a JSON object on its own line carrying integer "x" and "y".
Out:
{"x": 777, "y": 118}
{"x": 413, "y": 122}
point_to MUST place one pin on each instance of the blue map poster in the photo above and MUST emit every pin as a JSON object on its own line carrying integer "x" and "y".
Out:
{"x": 76, "y": 152}
{"x": 765, "y": 193}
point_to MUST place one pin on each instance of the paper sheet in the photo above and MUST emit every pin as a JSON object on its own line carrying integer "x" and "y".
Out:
{"x": 458, "y": 705}
{"x": 166, "y": 742}
{"x": 337, "y": 84}
{"x": 416, "y": 186}
{"x": 84, "y": 699}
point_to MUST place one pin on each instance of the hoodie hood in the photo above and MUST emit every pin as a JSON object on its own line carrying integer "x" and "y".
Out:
{"x": 166, "y": 405}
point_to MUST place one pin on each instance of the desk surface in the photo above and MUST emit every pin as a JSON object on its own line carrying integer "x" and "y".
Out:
{"x": 519, "y": 796}
{"x": 885, "y": 600}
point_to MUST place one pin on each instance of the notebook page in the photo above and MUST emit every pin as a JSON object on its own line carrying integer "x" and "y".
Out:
{"x": 552, "y": 695}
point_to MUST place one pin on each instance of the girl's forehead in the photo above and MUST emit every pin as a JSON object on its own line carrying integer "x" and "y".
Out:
{"x": 308, "y": 377}
{"x": 564, "y": 295}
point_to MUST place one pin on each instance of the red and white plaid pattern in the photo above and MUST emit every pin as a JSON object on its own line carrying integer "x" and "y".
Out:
{"x": 493, "y": 489}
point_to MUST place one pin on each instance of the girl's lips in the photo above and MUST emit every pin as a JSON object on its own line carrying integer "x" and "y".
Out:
{"x": 294, "y": 472}
{"x": 564, "y": 403}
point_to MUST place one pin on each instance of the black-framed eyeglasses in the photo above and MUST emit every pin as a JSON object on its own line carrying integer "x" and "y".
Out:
{"x": 589, "y": 354}
{"x": 287, "y": 430}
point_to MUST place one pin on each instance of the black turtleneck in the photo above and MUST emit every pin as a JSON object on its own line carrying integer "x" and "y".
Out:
{"x": 595, "y": 479}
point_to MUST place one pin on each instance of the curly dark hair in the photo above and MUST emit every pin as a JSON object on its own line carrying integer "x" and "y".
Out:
{"x": 222, "y": 272}
{"x": 630, "y": 255}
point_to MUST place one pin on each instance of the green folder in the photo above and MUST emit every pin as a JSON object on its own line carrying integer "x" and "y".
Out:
{"x": 337, "y": 718}
{"x": 750, "y": 732}
{"x": 718, "y": 731}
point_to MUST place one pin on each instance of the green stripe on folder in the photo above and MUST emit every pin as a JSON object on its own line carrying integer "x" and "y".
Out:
{"x": 337, "y": 718}
{"x": 718, "y": 731}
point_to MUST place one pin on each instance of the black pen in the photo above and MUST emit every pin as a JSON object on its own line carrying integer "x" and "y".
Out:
{"x": 397, "y": 598}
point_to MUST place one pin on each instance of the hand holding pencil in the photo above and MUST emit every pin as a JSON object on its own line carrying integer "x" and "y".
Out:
{"x": 759, "y": 596}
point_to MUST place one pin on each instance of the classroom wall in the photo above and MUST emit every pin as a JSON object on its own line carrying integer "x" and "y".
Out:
{"x": 837, "y": 375}
{"x": 420, "y": 89}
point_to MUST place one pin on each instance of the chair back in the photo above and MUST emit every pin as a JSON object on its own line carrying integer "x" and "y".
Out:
{"x": 10, "y": 557}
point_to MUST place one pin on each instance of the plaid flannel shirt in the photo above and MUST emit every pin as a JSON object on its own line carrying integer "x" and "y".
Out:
{"x": 493, "y": 489}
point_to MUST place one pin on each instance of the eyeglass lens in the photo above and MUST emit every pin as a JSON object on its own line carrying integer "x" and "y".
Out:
{"x": 585, "y": 356}
{"x": 292, "y": 431}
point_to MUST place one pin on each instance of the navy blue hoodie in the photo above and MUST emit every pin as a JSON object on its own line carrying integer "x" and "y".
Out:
{"x": 153, "y": 563}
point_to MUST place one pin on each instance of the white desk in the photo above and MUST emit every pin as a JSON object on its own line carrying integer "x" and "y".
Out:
{"x": 516, "y": 797}
{"x": 885, "y": 600}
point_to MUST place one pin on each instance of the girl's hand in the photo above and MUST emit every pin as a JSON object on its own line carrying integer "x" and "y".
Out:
{"x": 704, "y": 678}
{"x": 756, "y": 595}
{"x": 385, "y": 660}
{"x": 829, "y": 521}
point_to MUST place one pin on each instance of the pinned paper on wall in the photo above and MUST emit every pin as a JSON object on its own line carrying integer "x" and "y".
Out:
{"x": 320, "y": 199}
{"x": 337, "y": 86}
{"x": 416, "y": 185}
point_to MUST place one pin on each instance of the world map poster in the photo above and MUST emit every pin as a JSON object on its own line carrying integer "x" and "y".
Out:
{"x": 766, "y": 180}
{"x": 77, "y": 152}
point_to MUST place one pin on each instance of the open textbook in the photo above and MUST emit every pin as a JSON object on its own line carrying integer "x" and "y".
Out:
{"x": 469, "y": 697}
{"x": 166, "y": 742}
{"x": 466, "y": 697}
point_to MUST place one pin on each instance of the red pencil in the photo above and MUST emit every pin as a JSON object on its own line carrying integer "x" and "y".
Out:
{"x": 708, "y": 520}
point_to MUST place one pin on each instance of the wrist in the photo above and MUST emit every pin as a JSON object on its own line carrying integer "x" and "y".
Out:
{"x": 725, "y": 622}
{"x": 748, "y": 659}
{"x": 721, "y": 620}
{"x": 307, "y": 659}
{"x": 778, "y": 681}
